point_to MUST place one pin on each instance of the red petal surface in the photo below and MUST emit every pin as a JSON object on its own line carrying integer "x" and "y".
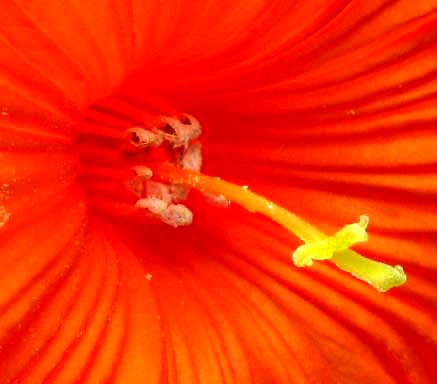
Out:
{"x": 327, "y": 108}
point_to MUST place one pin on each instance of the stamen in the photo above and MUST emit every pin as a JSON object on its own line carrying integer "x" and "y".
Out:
{"x": 196, "y": 128}
{"x": 153, "y": 204}
{"x": 141, "y": 137}
{"x": 160, "y": 199}
{"x": 159, "y": 191}
{"x": 318, "y": 246}
{"x": 192, "y": 157}
{"x": 184, "y": 119}
{"x": 177, "y": 215}
{"x": 184, "y": 133}
{"x": 178, "y": 192}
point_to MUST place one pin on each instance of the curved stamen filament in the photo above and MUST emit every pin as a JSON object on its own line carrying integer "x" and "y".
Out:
{"x": 318, "y": 245}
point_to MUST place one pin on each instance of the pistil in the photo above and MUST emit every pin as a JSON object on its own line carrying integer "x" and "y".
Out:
{"x": 318, "y": 246}
{"x": 181, "y": 172}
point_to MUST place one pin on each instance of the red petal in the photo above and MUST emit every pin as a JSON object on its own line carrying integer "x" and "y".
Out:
{"x": 327, "y": 108}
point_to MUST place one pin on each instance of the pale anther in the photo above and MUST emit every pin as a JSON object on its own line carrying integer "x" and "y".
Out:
{"x": 159, "y": 191}
{"x": 178, "y": 192}
{"x": 177, "y": 215}
{"x": 196, "y": 128}
{"x": 153, "y": 204}
{"x": 192, "y": 157}
{"x": 141, "y": 137}
{"x": 184, "y": 133}
{"x": 162, "y": 200}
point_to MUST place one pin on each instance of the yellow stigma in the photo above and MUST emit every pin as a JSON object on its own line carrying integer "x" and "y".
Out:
{"x": 379, "y": 275}
{"x": 336, "y": 249}
{"x": 324, "y": 249}
{"x": 317, "y": 245}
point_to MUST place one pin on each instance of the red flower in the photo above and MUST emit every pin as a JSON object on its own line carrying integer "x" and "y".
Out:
{"x": 326, "y": 108}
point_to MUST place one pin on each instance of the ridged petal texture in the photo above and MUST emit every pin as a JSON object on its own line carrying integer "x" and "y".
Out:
{"x": 326, "y": 107}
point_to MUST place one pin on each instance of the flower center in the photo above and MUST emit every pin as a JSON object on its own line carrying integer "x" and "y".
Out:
{"x": 160, "y": 162}
{"x": 177, "y": 136}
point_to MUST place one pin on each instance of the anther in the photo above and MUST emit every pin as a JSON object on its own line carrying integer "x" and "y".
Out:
{"x": 196, "y": 128}
{"x": 153, "y": 204}
{"x": 136, "y": 183}
{"x": 178, "y": 192}
{"x": 184, "y": 133}
{"x": 177, "y": 215}
{"x": 159, "y": 191}
{"x": 192, "y": 157}
{"x": 184, "y": 119}
{"x": 141, "y": 137}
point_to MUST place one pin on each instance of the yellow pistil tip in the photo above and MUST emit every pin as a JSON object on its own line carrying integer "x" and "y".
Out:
{"x": 325, "y": 248}
{"x": 391, "y": 278}
{"x": 336, "y": 248}
{"x": 379, "y": 275}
